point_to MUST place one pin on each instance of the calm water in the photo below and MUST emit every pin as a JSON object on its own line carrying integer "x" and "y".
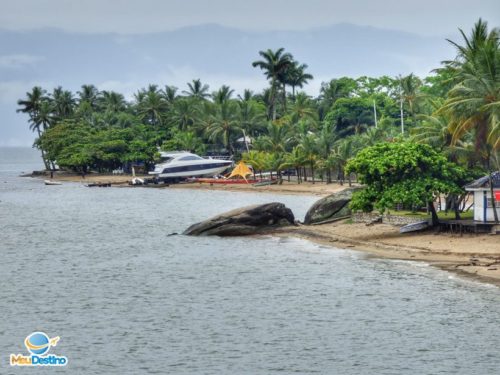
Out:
{"x": 96, "y": 267}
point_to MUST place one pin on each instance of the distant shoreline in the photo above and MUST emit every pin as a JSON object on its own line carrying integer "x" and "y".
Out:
{"x": 319, "y": 188}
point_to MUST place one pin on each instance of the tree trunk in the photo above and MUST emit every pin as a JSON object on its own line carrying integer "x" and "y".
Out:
{"x": 305, "y": 174}
{"x": 493, "y": 203}
{"x": 312, "y": 173}
{"x": 434, "y": 216}
{"x": 45, "y": 161}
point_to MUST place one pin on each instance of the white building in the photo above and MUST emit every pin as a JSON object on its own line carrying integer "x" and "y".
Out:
{"x": 483, "y": 205}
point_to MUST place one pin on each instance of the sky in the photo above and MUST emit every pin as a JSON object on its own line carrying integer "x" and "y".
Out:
{"x": 425, "y": 17}
{"x": 124, "y": 45}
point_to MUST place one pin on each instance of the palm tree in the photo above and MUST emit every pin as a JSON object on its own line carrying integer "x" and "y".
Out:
{"x": 89, "y": 94}
{"x": 184, "y": 114}
{"x": 169, "y": 94}
{"x": 111, "y": 101}
{"x": 223, "y": 94}
{"x": 197, "y": 90}
{"x": 277, "y": 138}
{"x": 32, "y": 106}
{"x": 152, "y": 107}
{"x": 309, "y": 145}
{"x": 274, "y": 63}
{"x": 256, "y": 160}
{"x": 341, "y": 154}
{"x": 302, "y": 109}
{"x": 64, "y": 103}
{"x": 472, "y": 103}
{"x": 326, "y": 141}
{"x": 225, "y": 125}
{"x": 296, "y": 76}
{"x": 410, "y": 94}
{"x": 297, "y": 159}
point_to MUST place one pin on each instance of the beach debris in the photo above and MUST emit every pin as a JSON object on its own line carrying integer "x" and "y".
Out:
{"x": 244, "y": 221}
{"x": 331, "y": 207}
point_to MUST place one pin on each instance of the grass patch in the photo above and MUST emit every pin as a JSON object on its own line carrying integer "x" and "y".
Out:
{"x": 468, "y": 215}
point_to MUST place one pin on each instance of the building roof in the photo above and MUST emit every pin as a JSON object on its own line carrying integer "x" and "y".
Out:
{"x": 484, "y": 182}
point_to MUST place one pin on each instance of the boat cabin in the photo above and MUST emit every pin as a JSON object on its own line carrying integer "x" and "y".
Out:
{"x": 483, "y": 204}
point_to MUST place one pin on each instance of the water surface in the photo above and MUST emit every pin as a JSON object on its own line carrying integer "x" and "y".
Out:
{"x": 97, "y": 268}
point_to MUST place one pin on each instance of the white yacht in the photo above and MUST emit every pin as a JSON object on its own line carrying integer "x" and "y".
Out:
{"x": 182, "y": 164}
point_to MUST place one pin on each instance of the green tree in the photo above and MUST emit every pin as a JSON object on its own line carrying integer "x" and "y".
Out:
{"x": 274, "y": 64}
{"x": 403, "y": 172}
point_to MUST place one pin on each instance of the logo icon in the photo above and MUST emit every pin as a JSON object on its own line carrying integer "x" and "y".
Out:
{"x": 39, "y": 344}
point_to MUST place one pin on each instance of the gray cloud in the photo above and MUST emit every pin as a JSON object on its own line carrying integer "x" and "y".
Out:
{"x": 426, "y": 17}
{"x": 18, "y": 61}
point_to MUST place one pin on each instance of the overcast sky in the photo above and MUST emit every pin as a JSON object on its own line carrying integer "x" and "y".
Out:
{"x": 425, "y": 17}
{"x": 72, "y": 51}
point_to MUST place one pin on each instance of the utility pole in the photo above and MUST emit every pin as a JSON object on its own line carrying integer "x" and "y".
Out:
{"x": 402, "y": 118}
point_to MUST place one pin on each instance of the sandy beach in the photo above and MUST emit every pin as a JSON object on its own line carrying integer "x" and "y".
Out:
{"x": 472, "y": 255}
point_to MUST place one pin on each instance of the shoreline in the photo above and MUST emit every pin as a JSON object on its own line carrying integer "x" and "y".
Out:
{"x": 319, "y": 189}
{"x": 445, "y": 251}
{"x": 474, "y": 256}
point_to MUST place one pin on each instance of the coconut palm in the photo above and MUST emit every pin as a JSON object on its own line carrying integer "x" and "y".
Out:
{"x": 89, "y": 94}
{"x": 296, "y": 76}
{"x": 225, "y": 125}
{"x": 169, "y": 94}
{"x": 472, "y": 103}
{"x": 274, "y": 64}
{"x": 152, "y": 107}
{"x": 184, "y": 114}
{"x": 64, "y": 103}
{"x": 223, "y": 94}
{"x": 197, "y": 90}
{"x": 309, "y": 145}
{"x": 111, "y": 101}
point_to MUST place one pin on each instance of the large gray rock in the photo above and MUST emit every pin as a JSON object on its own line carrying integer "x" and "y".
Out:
{"x": 332, "y": 207}
{"x": 244, "y": 221}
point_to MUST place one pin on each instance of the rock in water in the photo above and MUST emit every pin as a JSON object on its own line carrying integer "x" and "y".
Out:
{"x": 331, "y": 207}
{"x": 244, "y": 221}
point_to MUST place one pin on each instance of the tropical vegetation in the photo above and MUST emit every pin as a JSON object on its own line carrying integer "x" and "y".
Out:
{"x": 455, "y": 111}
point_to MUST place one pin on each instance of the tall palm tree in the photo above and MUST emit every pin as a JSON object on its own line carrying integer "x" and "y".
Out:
{"x": 225, "y": 125}
{"x": 89, "y": 94}
{"x": 302, "y": 109}
{"x": 223, "y": 94}
{"x": 273, "y": 63}
{"x": 64, "y": 102}
{"x": 410, "y": 94}
{"x": 197, "y": 90}
{"x": 112, "y": 101}
{"x": 152, "y": 108}
{"x": 32, "y": 106}
{"x": 296, "y": 76}
{"x": 472, "y": 103}
{"x": 184, "y": 114}
{"x": 169, "y": 94}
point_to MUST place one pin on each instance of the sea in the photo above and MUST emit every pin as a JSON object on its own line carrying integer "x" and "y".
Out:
{"x": 102, "y": 269}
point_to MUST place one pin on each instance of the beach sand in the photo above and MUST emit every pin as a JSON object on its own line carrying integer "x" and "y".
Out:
{"x": 472, "y": 255}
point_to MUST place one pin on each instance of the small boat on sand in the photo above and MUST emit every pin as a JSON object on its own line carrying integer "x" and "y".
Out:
{"x": 266, "y": 182}
{"x": 414, "y": 227}
{"x": 49, "y": 182}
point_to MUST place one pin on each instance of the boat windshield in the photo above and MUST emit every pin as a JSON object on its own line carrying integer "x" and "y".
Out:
{"x": 191, "y": 157}
{"x": 166, "y": 159}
